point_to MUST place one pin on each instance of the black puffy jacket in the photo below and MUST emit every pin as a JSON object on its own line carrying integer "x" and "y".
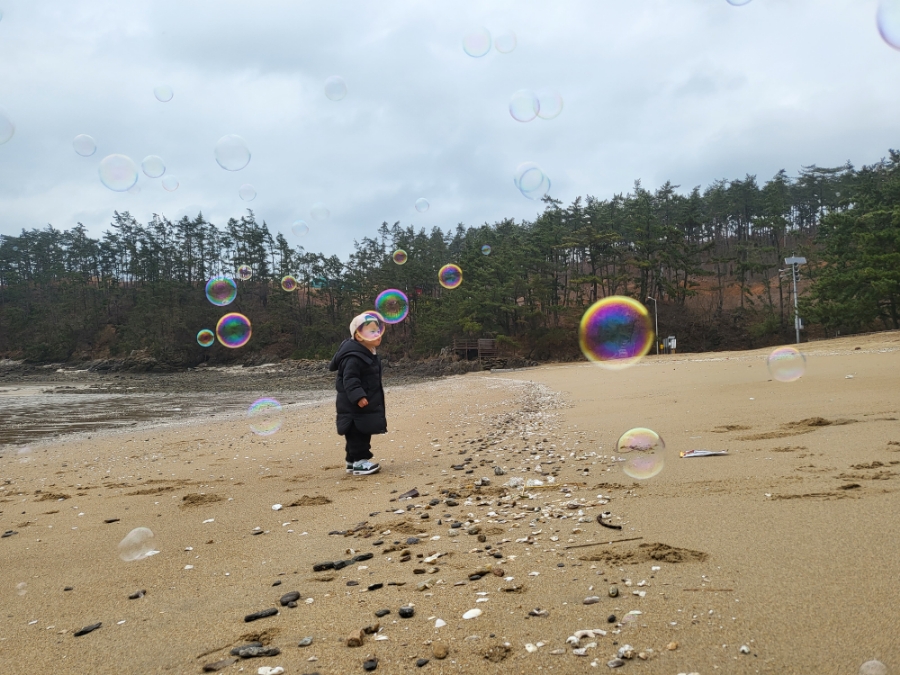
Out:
{"x": 358, "y": 377}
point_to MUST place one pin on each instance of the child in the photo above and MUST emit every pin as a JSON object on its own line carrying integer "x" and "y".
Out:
{"x": 360, "y": 397}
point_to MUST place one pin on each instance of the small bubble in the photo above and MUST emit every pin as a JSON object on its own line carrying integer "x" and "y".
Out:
{"x": 84, "y": 145}
{"x": 335, "y": 88}
{"x": 163, "y": 93}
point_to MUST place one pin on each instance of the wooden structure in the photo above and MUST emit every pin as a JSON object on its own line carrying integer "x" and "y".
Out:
{"x": 483, "y": 349}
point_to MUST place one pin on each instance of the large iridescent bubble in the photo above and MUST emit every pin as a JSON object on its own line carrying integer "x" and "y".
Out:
{"x": 153, "y": 166}
{"x": 233, "y": 330}
{"x": 137, "y": 545}
{"x": 221, "y": 290}
{"x": 265, "y": 416}
{"x": 450, "y": 276}
{"x": 118, "y": 172}
{"x": 616, "y": 332}
{"x": 531, "y": 181}
{"x": 393, "y": 305}
{"x": 399, "y": 256}
{"x": 372, "y": 327}
{"x": 644, "y": 452}
{"x": 524, "y": 105}
{"x": 232, "y": 153}
{"x": 786, "y": 364}
{"x": 206, "y": 338}
{"x": 288, "y": 283}
{"x": 888, "y": 20}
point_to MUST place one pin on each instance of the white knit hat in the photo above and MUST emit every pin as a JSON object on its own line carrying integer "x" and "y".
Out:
{"x": 364, "y": 318}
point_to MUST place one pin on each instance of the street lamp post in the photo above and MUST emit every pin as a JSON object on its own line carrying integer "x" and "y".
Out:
{"x": 795, "y": 262}
{"x": 655, "y": 324}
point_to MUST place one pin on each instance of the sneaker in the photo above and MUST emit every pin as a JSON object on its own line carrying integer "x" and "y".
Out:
{"x": 365, "y": 467}
{"x": 349, "y": 467}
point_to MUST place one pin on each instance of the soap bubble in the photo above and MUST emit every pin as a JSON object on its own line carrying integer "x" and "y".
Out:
{"x": 644, "y": 451}
{"x": 335, "y": 88}
{"x": 163, "y": 93}
{"x": 170, "y": 183}
{"x": 888, "y": 20}
{"x": 786, "y": 364}
{"x": 247, "y": 192}
{"x": 118, "y": 172}
{"x": 232, "y": 153}
{"x": 550, "y": 104}
{"x": 288, "y": 283}
{"x": 524, "y": 105}
{"x": 265, "y": 416}
{"x": 505, "y": 42}
{"x": 486, "y": 249}
{"x": 153, "y": 166}
{"x": 393, "y": 305}
{"x": 450, "y": 276}
{"x": 616, "y": 332}
{"x": 245, "y": 272}
{"x": 319, "y": 212}
{"x": 21, "y": 588}
{"x": 205, "y": 338}
{"x": 221, "y": 290}
{"x": 477, "y": 42}
{"x": 422, "y": 205}
{"x": 7, "y": 128}
{"x": 137, "y": 545}
{"x": 873, "y": 668}
{"x": 84, "y": 145}
{"x": 531, "y": 181}
{"x": 372, "y": 327}
{"x": 400, "y": 256}
{"x": 233, "y": 330}
{"x": 738, "y": 3}
{"x": 299, "y": 228}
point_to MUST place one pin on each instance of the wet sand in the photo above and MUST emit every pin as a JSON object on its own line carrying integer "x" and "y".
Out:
{"x": 788, "y": 545}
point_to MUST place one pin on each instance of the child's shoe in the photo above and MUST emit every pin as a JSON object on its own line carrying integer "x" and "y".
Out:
{"x": 365, "y": 467}
{"x": 349, "y": 467}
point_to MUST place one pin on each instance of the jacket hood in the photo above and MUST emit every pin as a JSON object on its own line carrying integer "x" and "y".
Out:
{"x": 350, "y": 347}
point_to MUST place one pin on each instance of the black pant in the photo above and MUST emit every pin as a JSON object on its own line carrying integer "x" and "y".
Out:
{"x": 358, "y": 445}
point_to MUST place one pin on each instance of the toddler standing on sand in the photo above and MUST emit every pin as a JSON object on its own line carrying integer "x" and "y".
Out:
{"x": 360, "y": 396}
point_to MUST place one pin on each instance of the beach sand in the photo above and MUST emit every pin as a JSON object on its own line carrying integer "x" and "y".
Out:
{"x": 788, "y": 545}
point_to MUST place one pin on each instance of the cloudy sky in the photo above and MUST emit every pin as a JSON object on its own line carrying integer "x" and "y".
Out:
{"x": 682, "y": 90}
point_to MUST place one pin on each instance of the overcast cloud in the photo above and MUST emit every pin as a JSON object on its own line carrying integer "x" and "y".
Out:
{"x": 683, "y": 90}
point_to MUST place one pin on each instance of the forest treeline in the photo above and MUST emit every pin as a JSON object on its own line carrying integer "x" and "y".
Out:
{"x": 712, "y": 259}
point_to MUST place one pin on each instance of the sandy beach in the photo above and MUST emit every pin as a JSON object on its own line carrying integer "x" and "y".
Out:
{"x": 786, "y": 547}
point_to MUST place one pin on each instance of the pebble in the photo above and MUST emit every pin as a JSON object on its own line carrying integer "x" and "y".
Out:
{"x": 412, "y": 540}
{"x": 375, "y": 587}
{"x": 440, "y": 650}
{"x": 421, "y": 662}
{"x": 277, "y": 582}
{"x": 615, "y": 663}
{"x": 270, "y": 670}
{"x": 293, "y": 596}
{"x": 745, "y": 649}
{"x": 8, "y": 533}
{"x": 611, "y": 618}
{"x": 440, "y": 623}
{"x": 613, "y": 591}
{"x": 292, "y": 604}
{"x": 218, "y": 665}
{"x": 236, "y": 650}
{"x": 472, "y": 614}
{"x": 254, "y": 652}
{"x": 137, "y": 595}
{"x": 277, "y": 507}
{"x": 262, "y": 614}
{"x": 371, "y": 664}
{"x": 109, "y": 521}
{"x": 355, "y": 639}
{"x": 69, "y": 588}
{"x": 88, "y": 629}
{"x": 305, "y": 642}
{"x": 407, "y": 612}
{"x": 591, "y": 600}
{"x": 537, "y": 611}
{"x": 382, "y": 612}
{"x": 672, "y": 646}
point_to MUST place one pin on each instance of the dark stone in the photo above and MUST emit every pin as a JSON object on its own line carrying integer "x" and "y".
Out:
{"x": 452, "y": 502}
{"x": 293, "y": 596}
{"x": 234, "y": 651}
{"x": 255, "y": 532}
{"x": 341, "y": 564}
{"x": 382, "y": 612}
{"x": 109, "y": 521}
{"x": 611, "y": 618}
{"x": 407, "y": 612}
{"x": 338, "y": 532}
{"x": 378, "y": 543}
{"x": 352, "y": 583}
{"x": 277, "y": 582}
{"x": 254, "y": 652}
{"x": 292, "y": 604}
{"x": 412, "y": 494}
{"x": 474, "y": 577}
{"x": 412, "y": 540}
{"x": 560, "y": 564}
{"x": 371, "y": 664}
{"x": 375, "y": 587}
{"x": 434, "y": 502}
{"x": 137, "y": 595}
{"x": 218, "y": 665}
{"x": 8, "y": 533}
{"x": 262, "y": 614}
{"x": 362, "y": 556}
{"x": 497, "y": 555}
{"x": 321, "y": 567}
{"x": 421, "y": 662}
{"x": 88, "y": 629}
{"x": 456, "y": 526}
{"x": 424, "y": 516}
{"x": 419, "y": 570}
{"x": 69, "y": 588}
{"x": 483, "y": 538}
